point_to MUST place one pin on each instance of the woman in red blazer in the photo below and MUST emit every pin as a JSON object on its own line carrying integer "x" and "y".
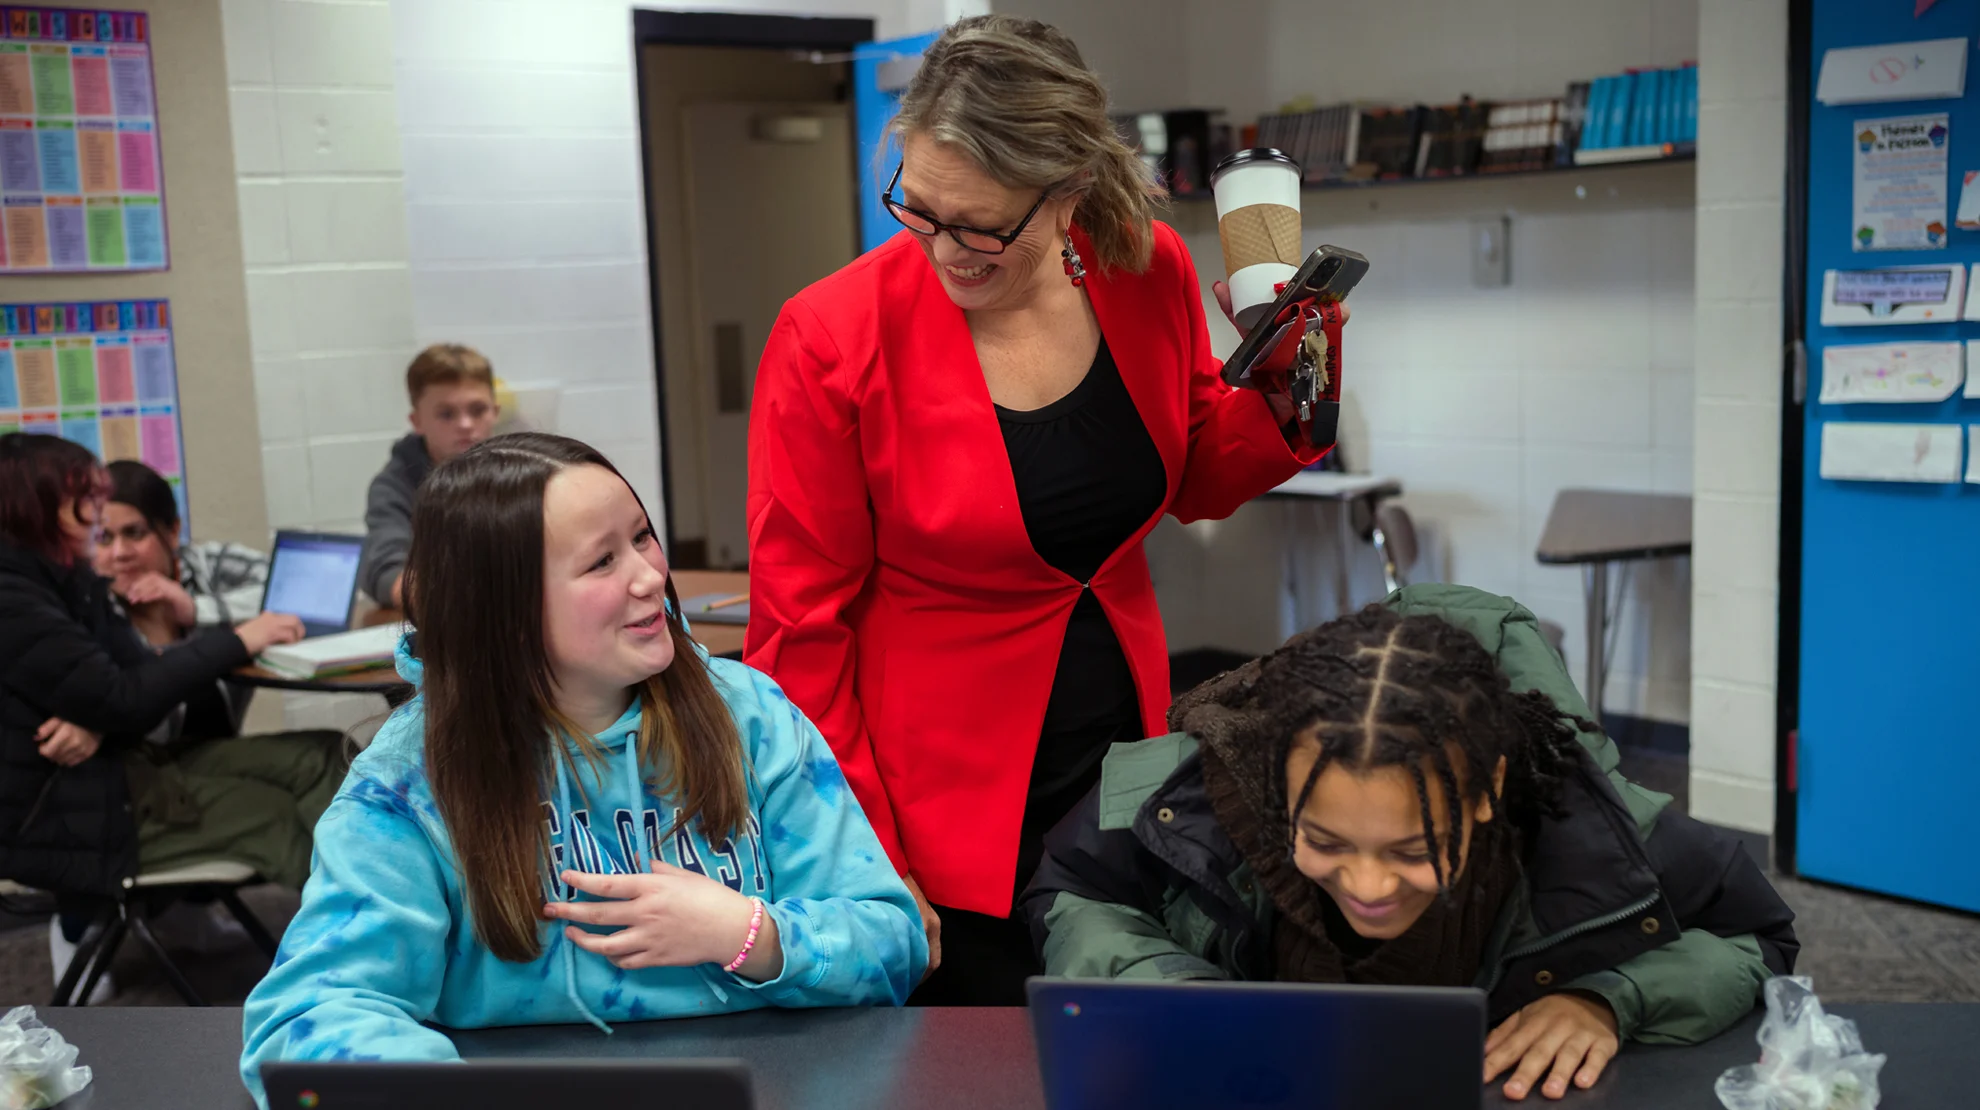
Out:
{"x": 956, "y": 447}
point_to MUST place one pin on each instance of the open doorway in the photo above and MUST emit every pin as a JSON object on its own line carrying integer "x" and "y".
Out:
{"x": 751, "y": 194}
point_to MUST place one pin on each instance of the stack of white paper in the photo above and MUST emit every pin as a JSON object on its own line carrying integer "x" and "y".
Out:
{"x": 335, "y": 654}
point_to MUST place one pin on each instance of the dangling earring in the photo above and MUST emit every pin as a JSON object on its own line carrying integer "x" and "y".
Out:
{"x": 1075, "y": 268}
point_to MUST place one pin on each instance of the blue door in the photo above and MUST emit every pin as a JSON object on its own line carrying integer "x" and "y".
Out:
{"x": 880, "y": 74}
{"x": 1888, "y": 761}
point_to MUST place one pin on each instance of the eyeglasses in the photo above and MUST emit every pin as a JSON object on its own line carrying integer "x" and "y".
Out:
{"x": 129, "y": 533}
{"x": 969, "y": 238}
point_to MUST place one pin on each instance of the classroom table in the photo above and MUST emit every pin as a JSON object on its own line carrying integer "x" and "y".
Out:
{"x": 381, "y": 679}
{"x": 959, "y": 1059}
{"x": 719, "y": 639}
{"x": 1298, "y": 610}
{"x": 1596, "y": 527}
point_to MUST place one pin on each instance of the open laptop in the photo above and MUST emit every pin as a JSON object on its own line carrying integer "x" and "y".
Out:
{"x": 313, "y": 575}
{"x": 509, "y": 1084}
{"x": 1105, "y": 1044}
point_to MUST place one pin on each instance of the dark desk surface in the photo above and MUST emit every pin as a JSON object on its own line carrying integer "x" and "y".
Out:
{"x": 719, "y": 639}
{"x": 371, "y": 680}
{"x": 1599, "y": 525}
{"x": 169, "y": 1058}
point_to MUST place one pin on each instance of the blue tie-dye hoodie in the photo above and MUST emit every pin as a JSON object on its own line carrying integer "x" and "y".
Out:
{"x": 383, "y": 943}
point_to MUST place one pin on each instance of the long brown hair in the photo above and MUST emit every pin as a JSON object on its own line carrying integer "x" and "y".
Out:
{"x": 474, "y": 591}
{"x": 1015, "y": 95}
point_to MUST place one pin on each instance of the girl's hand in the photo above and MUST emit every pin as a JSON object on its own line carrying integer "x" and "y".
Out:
{"x": 65, "y": 744}
{"x": 930, "y": 924}
{"x": 267, "y": 630}
{"x": 1566, "y": 1037}
{"x": 152, "y": 586}
{"x": 669, "y": 918}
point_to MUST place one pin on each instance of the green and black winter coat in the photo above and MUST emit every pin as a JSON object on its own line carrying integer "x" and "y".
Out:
{"x": 1668, "y": 920}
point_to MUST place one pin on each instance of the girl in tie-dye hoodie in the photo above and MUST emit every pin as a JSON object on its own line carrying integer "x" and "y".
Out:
{"x": 581, "y": 817}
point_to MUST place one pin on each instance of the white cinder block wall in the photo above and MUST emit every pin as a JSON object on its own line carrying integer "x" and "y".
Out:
{"x": 323, "y": 232}
{"x": 413, "y": 171}
{"x": 520, "y": 129}
{"x": 1742, "y": 139}
{"x": 316, "y": 150}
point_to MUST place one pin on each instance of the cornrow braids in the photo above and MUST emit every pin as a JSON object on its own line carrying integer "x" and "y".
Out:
{"x": 1382, "y": 690}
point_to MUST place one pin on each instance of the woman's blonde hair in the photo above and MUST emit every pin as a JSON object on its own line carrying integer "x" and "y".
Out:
{"x": 1015, "y": 95}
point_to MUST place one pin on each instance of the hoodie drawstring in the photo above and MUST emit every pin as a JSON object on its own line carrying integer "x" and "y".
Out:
{"x": 570, "y": 950}
{"x": 635, "y": 805}
{"x": 637, "y": 860}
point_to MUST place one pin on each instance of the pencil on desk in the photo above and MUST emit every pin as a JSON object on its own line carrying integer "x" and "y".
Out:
{"x": 726, "y": 602}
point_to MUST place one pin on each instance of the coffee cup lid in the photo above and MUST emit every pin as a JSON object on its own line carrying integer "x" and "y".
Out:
{"x": 1255, "y": 154}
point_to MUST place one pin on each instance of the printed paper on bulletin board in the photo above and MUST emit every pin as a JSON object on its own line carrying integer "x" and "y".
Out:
{"x": 1900, "y": 183}
{"x": 101, "y": 374}
{"x": 80, "y": 186}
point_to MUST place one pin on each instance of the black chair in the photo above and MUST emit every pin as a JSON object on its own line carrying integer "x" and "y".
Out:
{"x": 130, "y": 914}
{"x": 1394, "y": 536}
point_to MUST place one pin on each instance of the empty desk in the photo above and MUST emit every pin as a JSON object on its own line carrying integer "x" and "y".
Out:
{"x": 1302, "y": 587}
{"x": 1596, "y": 527}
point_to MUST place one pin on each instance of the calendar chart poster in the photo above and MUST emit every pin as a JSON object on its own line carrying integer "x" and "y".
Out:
{"x": 99, "y": 373}
{"x": 80, "y": 185}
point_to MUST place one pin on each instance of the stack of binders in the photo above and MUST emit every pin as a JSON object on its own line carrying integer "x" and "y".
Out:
{"x": 1640, "y": 115}
{"x": 1521, "y": 135}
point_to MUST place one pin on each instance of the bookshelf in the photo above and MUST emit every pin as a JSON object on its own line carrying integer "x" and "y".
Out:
{"x": 1683, "y": 155}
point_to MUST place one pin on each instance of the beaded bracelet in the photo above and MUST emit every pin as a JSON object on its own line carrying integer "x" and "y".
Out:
{"x": 749, "y": 942}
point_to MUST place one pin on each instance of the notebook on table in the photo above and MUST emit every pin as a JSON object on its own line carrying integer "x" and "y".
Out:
{"x": 337, "y": 653}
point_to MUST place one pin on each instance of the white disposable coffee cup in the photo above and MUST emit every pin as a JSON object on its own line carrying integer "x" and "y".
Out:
{"x": 1257, "y": 194}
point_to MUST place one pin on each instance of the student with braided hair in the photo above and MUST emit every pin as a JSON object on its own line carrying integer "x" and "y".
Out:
{"x": 1412, "y": 795}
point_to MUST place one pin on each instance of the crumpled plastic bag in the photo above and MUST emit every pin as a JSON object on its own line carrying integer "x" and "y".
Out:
{"x": 37, "y": 1067}
{"x": 1809, "y": 1060}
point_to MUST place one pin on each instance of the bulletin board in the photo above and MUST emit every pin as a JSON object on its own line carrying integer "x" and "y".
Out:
{"x": 1880, "y": 756}
{"x": 80, "y": 186}
{"x": 101, "y": 374}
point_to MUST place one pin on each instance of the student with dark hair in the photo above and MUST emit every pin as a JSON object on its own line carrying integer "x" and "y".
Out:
{"x": 1412, "y": 796}
{"x": 170, "y": 588}
{"x": 573, "y": 757}
{"x": 103, "y": 777}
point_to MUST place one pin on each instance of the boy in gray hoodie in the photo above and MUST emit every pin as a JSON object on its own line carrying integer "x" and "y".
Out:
{"x": 452, "y": 388}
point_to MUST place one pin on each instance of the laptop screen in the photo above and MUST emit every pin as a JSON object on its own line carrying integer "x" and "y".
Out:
{"x": 313, "y": 577}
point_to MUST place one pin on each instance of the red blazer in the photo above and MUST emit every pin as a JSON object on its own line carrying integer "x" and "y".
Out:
{"x": 894, "y": 592}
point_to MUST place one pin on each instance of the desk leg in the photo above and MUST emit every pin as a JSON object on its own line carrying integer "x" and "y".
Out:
{"x": 1290, "y": 587}
{"x": 1595, "y": 579}
{"x": 1344, "y": 551}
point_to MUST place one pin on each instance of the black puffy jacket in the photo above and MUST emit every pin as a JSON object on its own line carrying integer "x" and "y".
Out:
{"x": 67, "y": 652}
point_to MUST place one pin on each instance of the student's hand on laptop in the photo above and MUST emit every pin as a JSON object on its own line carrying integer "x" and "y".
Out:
{"x": 66, "y": 744}
{"x": 1567, "y": 1038}
{"x": 670, "y": 917}
{"x": 152, "y": 586}
{"x": 269, "y": 629}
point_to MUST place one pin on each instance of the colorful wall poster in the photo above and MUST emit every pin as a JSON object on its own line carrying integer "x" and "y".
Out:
{"x": 101, "y": 374}
{"x": 80, "y": 187}
{"x": 1900, "y": 183}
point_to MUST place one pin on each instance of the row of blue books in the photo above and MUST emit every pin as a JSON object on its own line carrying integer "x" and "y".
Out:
{"x": 1642, "y": 108}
